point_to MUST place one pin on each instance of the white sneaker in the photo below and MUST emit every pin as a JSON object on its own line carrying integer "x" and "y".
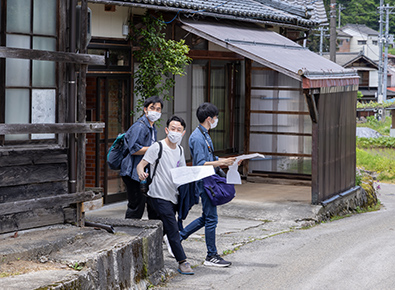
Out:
{"x": 166, "y": 240}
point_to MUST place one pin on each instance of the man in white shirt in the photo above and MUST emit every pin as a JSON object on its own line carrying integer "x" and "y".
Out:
{"x": 163, "y": 193}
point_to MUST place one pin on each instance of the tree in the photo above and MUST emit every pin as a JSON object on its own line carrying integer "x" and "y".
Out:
{"x": 159, "y": 60}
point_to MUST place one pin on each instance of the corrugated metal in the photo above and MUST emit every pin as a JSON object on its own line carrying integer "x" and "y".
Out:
{"x": 268, "y": 48}
{"x": 334, "y": 159}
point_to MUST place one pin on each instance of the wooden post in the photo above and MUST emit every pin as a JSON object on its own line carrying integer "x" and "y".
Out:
{"x": 248, "y": 71}
{"x": 81, "y": 113}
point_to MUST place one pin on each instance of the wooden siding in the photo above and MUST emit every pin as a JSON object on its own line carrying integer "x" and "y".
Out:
{"x": 27, "y": 175}
{"x": 334, "y": 157}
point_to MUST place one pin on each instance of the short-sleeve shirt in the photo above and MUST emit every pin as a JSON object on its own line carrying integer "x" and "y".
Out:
{"x": 162, "y": 185}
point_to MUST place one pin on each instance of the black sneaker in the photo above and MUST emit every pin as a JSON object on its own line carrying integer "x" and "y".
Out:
{"x": 216, "y": 261}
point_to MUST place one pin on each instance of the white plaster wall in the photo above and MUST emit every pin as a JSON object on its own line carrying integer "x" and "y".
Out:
{"x": 373, "y": 78}
{"x": 106, "y": 23}
{"x": 370, "y": 50}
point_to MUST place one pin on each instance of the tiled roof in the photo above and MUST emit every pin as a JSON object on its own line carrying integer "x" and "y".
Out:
{"x": 293, "y": 12}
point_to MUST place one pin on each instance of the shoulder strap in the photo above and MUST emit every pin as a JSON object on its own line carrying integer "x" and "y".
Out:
{"x": 157, "y": 160}
{"x": 180, "y": 150}
{"x": 205, "y": 139}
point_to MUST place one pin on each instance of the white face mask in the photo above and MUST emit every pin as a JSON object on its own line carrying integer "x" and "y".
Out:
{"x": 153, "y": 116}
{"x": 213, "y": 125}
{"x": 174, "y": 137}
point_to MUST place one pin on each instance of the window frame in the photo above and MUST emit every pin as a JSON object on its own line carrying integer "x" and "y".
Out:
{"x": 30, "y": 87}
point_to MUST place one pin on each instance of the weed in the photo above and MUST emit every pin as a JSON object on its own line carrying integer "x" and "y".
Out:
{"x": 339, "y": 217}
{"x": 77, "y": 266}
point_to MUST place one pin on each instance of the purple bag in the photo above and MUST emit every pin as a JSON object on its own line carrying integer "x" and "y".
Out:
{"x": 218, "y": 190}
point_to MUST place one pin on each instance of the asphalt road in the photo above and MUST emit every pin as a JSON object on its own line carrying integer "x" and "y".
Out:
{"x": 357, "y": 252}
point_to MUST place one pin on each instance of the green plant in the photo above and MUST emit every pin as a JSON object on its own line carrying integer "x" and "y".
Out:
{"x": 77, "y": 266}
{"x": 381, "y": 142}
{"x": 380, "y": 161}
{"x": 374, "y": 105}
{"x": 159, "y": 60}
{"x": 383, "y": 126}
{"x": 359, "y": 95}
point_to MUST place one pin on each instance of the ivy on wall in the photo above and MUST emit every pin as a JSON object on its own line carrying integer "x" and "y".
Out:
{"x": 159, "y": 59}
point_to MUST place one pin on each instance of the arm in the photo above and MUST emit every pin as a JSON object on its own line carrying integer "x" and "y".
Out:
{"x": 135, "y": 138}
{"x": 140, "y": 169}
{"x": 141, "y": 151}
{"x": 221, "y": 162}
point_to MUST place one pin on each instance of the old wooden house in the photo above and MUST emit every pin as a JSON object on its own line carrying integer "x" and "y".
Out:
{"x": 42, "y": 112}
{"x": 275, "y": 96}
{"x": 57, "y": 92}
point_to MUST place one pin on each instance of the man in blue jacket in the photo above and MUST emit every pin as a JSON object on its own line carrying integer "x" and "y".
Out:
{"x": 140, "y": 136}
{"x": 202, "y": 152}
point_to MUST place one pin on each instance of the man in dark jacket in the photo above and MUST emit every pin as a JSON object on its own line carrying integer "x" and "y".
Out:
{"x": 138, "y": 138}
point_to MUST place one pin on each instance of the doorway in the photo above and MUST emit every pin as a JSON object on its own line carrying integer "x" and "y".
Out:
{"x": 108, "y": 101}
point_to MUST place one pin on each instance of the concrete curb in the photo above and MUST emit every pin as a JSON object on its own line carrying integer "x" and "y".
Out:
{"x": 131, "y": 258}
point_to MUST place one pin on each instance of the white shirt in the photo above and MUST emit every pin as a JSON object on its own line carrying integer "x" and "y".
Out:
{"x": 162, "y": 185}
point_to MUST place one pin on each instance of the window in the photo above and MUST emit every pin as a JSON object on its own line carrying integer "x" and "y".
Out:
{"x": 361, "y": 42}
{"x": 374, "y": 42}
{"x": 29, "y": 85}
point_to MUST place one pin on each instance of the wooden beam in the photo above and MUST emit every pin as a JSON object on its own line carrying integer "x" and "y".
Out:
{"x": 279, "y": 112}
{"x": 62, "y": 200}
{"x": 284, "y": 154}
{"x": 93, "y": 127}
{"x": 58, "y": 56}
{"x": 281, "y": 133}
{"x": 277, "y": 88}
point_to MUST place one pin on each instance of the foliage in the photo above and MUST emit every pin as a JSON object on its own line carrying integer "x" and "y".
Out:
{"x": 159, "y": 60}
{"x": 380, "y": 161}
{"x": 381, "y": 142}
{"x": 383, "y": 126}
{"x": 374, "y": 105}
{"x": 359, "y": 95}
{"x": 362, "y": 12}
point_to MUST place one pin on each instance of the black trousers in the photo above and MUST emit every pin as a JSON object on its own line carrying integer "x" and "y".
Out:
{"x": 137, "y": 201}
{"x": 166, "y": 211}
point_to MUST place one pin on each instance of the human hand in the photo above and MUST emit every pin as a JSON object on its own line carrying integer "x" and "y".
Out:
{"x": 142, "y": 175}
{"x": 227, "y": 161}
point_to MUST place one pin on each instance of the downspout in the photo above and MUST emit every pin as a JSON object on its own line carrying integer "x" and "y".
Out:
{"x": 72, "y": 100}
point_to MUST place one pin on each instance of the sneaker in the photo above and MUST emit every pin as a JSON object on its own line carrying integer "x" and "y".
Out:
{"x": 166, "y": 240}
{"x": 185, "y": 268}
{"x": 216, "y": 261}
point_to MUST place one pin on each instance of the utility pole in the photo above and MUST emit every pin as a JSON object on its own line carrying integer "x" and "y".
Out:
{"x": 340, "y": 12}
{"x": 387, "y": 21}
{"x": 380, "y": 84}
{"x": 332, "y": 39}
{"x": 321, "y": 38}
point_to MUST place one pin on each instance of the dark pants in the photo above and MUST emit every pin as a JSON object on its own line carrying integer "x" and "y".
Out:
{"x": 166, "y": 211}
{"x": 137, "y": 201}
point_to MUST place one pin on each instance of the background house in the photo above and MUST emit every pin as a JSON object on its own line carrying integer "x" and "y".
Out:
{"x": 358, "y": 38}
{"x": 262, "y": 98}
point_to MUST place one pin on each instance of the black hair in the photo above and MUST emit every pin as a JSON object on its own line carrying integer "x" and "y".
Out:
{"x": 176, "y": 118}
{"x": 153, "y": 100}
{"x": 206, "y": 110}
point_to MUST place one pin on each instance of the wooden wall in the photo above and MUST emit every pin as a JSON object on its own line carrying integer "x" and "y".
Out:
{"x": 29, "y": 176}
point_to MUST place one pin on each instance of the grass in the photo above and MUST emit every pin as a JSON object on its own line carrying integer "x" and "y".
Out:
{"x": 358, "y": 210}
{"x": 381, "y": 161}
{"x": 382, "y": 127}
{"x": 371, "y": 154}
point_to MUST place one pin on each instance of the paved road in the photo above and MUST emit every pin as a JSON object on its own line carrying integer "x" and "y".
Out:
{"x": 352, "y": 253}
